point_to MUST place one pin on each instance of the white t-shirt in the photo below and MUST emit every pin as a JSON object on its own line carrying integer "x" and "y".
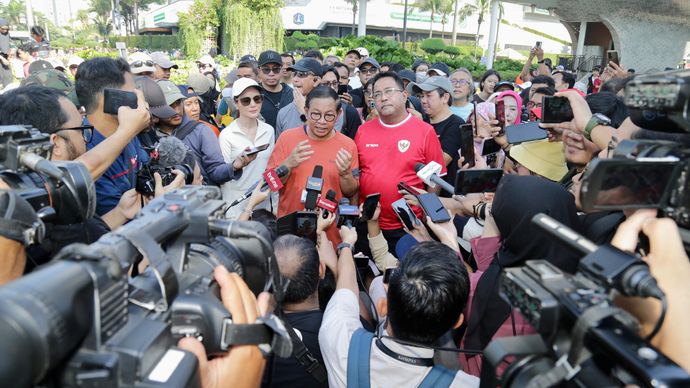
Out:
{"x": 341, "y": 320}
{"x": 232, "y": 143}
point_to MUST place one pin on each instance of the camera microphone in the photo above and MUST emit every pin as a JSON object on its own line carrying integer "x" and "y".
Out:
{"x": 429, "y": 174}
{"x": 313, "y": 187}
{"x": 271, "y": 178}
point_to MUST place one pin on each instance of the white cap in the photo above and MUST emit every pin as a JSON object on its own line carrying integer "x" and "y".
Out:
{"x": 242, "y": 84}
{"x": 207, "y": 60}
{"x": 362, "y": 51}
{"x": 55, "y": 62}
{"x": 74, "y": 61}
{"x": 144, "y": 62}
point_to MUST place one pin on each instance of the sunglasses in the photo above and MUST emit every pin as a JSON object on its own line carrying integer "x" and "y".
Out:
{"x": 141, "y": 63}
{"x": 86, "y": 132}
{"x": 245, "y": 101}
{"x": 303, "y": 74}
{"x": 269, "y": 70}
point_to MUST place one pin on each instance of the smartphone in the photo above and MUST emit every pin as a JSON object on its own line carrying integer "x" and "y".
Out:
{"x": 556, "y": 110}
{"x": 405, "y": 187}
{"x": 612, "y": 56}
{"x": 467, "y": 143}
{"x": 372, "y": 105}
{"x": 489, "y": 146}
{"x": 501, "y": 116}
{"x": 342, "y": 89}
{"x": 405, "y": 213}
{"x": 538, "y": 44}
{"x": 370, "y": 203}
{"x": 477, "y": 181}
{"x": 113, "y": 99}
{"x": 388, "y": 273}
{"x": 306, "y": 226}
{"x": 622, "y": 183}
{"x": 521, "y": 133}
{"x": 256, "y": 150}
{"x": 474, "y": 114}
{"x": 433, "y": 207}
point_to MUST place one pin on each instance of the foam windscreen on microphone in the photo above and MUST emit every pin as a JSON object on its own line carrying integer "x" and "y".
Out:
{"x": 170, "y": 151}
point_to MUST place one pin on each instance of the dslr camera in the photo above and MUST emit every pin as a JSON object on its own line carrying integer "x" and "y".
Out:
{"x": 60, "y": 192}
{"x": 84, "y": 321}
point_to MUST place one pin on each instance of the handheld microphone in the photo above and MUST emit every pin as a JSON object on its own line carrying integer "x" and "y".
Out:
{"x": 271, "y": 179}
{"x": 313, "y": 187}
{"x": 429, "y": 174}
{"x": 328, "y": 204}
{"x": 347, "y": 214}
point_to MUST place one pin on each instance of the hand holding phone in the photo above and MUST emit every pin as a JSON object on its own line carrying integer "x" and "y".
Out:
{"x": 113, "y": 99}
{"x": 477, "y": 181}
{"x": 612, "y": 56}
{"x": 342, "y": 89}
{"x": 521, "y": 133}
{"x": 501, "y": 116}
{"x": 467, "y": 144}
{"x": 402, "y": 186}
{"x": 433, "y": 207}
{"x": 370, "y": 205}
{"x": 556, "y": 110}
{"x": 405, "y": 213}
{"x": 255, "y": 150}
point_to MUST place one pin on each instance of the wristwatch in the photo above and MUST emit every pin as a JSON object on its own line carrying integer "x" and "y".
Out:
{"x": 597, "y": 119}
{"x": 343, "y": 245}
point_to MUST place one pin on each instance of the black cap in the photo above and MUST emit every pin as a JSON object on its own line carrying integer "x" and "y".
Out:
{"x": 442, "y": 67}
{"x": 153, "y": 94}
{"x": 39, "y": 65}
{"x": 504, "y": 84}
{"x": 270, "y": 57}
{"x": 408, "y": 75}
{"x": 248, "y": 58}
{"x": 308, "y": 64}
{"x": 354, "y": 51}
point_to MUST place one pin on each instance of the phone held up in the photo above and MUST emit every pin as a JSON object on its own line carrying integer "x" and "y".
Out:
{"x": 113, "y": 99}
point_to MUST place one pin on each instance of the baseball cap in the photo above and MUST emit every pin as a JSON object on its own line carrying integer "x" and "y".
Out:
{"x": 207, "y": 60}
{"x": 74, "y": 61}
{"x": 307, "y": 64}
{"x": 542, "y": 157}
{"x": 39, "y": 65}
{"x": 362, "y": 51}
{"x": 440, "y": 68}
{"x": 158, "y": 105}
{"x": 270, "y": 56}
{"x": 354, "y": 51}
{"x": 140, "y": 62}
{"x": 199, "y": 82}
{"x": 249, "y": 58}
{"x": 431, "y": 83}
{"x": 404, "y": 245}
{"x": 163, "y": 60}
{"x": 408, "y": 75}
{"x": 231, "y": 77}
{"x": 4, "y": 22}
{"x": 504, "y": 84}
{"x": 170, "y": 91}
{"x": 54, "y": 79}
{"x": 184, "y": 89}
{"x": 242, "y": 84}
{"x": 370, "y": 61}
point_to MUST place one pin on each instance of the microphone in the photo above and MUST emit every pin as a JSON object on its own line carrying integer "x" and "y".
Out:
{"x": 170, "y": 152}
{"x": 347, "y": 214}
{"x": 327, "y": 204}
{"x": 271, "y": 178}
{"x": 429, "y": 174}
{"x": 314, "y": 186}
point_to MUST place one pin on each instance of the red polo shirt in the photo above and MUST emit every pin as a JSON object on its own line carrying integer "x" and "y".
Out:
{"x": 388, "y": 154}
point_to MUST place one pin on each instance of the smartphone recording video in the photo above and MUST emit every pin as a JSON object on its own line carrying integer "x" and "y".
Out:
{"x": 556, "y": 110}
{"x": 477, "y": 181}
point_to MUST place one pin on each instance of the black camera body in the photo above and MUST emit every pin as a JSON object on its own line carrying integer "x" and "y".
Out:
{"x": 146, "y": 183}
{"x": 82, "y": 321}
{"x": 60, "y": 192}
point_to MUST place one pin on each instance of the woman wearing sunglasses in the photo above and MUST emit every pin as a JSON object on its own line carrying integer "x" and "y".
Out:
{"x": 239, "y": 142}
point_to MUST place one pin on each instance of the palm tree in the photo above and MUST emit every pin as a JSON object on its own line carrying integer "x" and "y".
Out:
{"x": 432, "y": 6}
{"x": 14, "y": 12}
{"x": 355, "y": 8}
{"x": 480, "y": 7}
{"x": 445, "y": 11}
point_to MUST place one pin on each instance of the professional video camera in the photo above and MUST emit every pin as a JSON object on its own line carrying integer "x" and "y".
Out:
{"x": 645, "y": 173}
{"x": 584, "y": 340}
{"x": 60, "y": 192}
{"x": 166, "y": 156}
{"x": 80, "y": 322}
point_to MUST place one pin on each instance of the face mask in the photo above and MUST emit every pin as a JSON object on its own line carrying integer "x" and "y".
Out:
{"x": 421, "y": 76}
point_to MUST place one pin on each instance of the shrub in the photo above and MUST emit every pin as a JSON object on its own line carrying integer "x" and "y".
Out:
{"x": 452, "y": 50}
{"x": 433, "y": 45}
{"x": 149, "y": 42}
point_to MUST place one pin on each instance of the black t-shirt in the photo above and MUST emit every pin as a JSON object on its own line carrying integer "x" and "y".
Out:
{"x": 357, "y": 97}
{"x": 477, "y": 99}
{"x": 448, "y": 132}
{"x": 352, "y": 121}
{"x": 288, "y": 372}
{"x": 273, "y": 102}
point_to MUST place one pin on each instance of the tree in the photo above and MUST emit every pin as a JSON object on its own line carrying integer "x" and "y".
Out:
{"x": 433, "y": 6}
{"x": 129, "y": 9}
{"x": 480, "y": 7}
{"x": 251, "y": 26}
{"x": 14, "y": 12}
{"x": 102, "y": 21}
{"x": 445, "y": 10}
{"x": 355, "y": 8}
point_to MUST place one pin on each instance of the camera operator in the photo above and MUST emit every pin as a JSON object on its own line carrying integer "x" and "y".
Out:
{"x": 17, "y": 217}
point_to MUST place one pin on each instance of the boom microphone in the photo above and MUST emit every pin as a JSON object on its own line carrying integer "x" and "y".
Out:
{"x": 170, "y": 151}
{"x": 276, "y": 174}
{"x": 314, "y": 186}
{"x": 429, "y": 174}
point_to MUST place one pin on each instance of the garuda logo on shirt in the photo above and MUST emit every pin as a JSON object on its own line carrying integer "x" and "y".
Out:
{"x": 403, "y": 145}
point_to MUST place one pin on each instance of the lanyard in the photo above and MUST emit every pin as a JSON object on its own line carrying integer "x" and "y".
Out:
{"x": 416, "y": 361}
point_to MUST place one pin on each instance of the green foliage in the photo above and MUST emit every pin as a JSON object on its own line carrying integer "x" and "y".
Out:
{"x": 382, "y": 49}
{"x": 433, "y": 45}
{"x": 252, "y": 27}
{"x": 300, "y": 42}
{"x": 149, "y": 42}
{"x": 13, "y": 11}
{"x": 507, "y": 65}
{"x": 93, "y": 53}
{"x": 198, "y": 25}
{"x": 452, "y": 50}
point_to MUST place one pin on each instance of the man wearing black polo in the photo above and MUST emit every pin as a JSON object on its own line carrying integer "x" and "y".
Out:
{"x": 276, "y": 94}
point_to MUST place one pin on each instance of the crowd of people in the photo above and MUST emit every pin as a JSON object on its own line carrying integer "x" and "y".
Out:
{"x": 364, "y": 125}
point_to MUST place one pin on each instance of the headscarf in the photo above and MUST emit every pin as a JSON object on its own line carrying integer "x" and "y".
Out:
{"x": 517, "y": 98}
{"x": 518, "y": 199}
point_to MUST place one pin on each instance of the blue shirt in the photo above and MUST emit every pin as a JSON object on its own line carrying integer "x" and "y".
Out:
{"x": 120, "y": 176}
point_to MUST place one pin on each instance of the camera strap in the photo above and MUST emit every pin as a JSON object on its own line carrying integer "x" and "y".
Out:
{"x": 267, "y": 332}
{"x": 159, "y": 264}
{"x": 303, "y": 355}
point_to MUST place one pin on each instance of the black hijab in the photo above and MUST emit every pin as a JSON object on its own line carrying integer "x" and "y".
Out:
{"x": 518, "y": 199}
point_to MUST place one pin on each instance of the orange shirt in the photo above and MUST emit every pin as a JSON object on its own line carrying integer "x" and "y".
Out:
{"x": 324, "y": 155}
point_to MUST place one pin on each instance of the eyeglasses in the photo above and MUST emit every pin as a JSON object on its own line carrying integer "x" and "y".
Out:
{"x": 245, "y": 101}
{"x": 388, "y": 92}
{"x": 333, "y": 85}
{"x": 329, "y": 117}
{"x": 86, "y": 132}
{"x": 369, "y": 71}
{"x": 459, "y": 82}
{"x": 269, "y": 70}
{"x": 531, "y": 104}
{"x": 141, "y": 63}
{"x": 303, "y": 74}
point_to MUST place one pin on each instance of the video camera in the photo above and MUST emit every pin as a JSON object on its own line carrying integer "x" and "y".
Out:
{"x": 163, "y": 163}
{"x": 82, "y": 321}
{"x": 584, "y": 339}
{"x": 59, "y": 192}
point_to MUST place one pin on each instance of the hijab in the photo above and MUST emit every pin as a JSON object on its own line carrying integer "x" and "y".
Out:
{"x": 518, "y": 199}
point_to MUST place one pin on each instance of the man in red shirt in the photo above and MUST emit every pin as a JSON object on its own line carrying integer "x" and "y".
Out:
{"x": 389, "y": 147}
{"x": 316, "y": 143}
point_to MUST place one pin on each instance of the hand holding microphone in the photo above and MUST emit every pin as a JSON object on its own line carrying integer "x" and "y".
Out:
{"x": 430, "y": 175}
